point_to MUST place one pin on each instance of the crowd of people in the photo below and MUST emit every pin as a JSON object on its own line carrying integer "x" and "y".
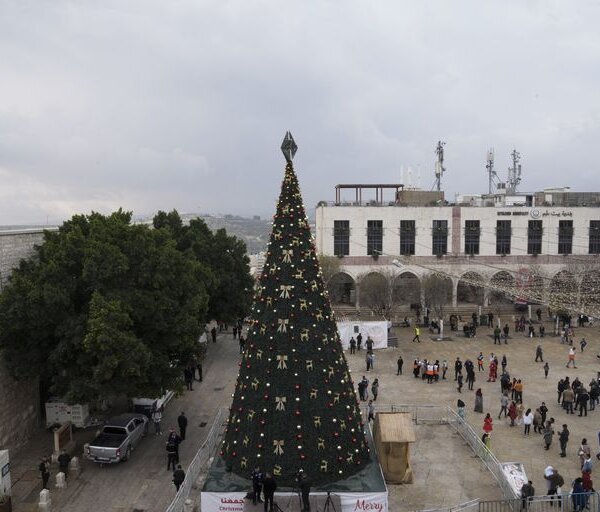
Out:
{"x": 573, "y": 396}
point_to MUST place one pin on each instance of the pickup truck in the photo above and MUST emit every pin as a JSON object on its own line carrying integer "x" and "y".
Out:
{"x": 119, "y": 436}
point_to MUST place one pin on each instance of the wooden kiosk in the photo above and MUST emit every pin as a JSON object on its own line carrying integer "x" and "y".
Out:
{"x": 393, "y": 432}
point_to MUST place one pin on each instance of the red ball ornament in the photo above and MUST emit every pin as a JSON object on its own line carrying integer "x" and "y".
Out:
{"x": 297, "y": 413}
{"x": 234, "y": 454}
{"x": 302, "y": 456}
{"x": 265, "y": 396}
{"x": 297, "y": 386}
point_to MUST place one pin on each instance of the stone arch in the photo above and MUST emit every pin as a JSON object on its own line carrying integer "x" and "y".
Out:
{"x": 437, "y": 292}
{"x": 470, "y": 288}
{"x": 342, "y": 289}
{"x": 406, "y": 289}
{"x": 502, "y": 285}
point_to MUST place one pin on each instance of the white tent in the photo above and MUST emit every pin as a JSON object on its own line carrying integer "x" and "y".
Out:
{"x": 378, "y": 331}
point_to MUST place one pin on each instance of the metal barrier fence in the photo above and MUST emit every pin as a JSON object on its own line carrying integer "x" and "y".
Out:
{"x": 469, "y": 506}
{"x": 199, "y": 462}
{"x": 443, "y": 415}
{"x": 564, "y": 503}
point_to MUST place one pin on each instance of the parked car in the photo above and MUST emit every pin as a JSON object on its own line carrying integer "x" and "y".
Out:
{"x": 147, "y": 405}
{"x": 118, "y": 438}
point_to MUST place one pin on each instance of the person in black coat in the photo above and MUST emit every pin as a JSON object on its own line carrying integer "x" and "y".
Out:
{"x": 63, "y": 462}
{"x": 257, "y": 479}
{"x": 175, "y": 440}
{"x": 182, "y": 421}
{"x": 178, "y": 476}
{"x": 304, "y": 484}
{"x": 44, "y": 468}
{"x": 269, "y": 487}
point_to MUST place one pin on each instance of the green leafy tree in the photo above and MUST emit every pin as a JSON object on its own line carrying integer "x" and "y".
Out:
{"x": 294, "y": 404}
{"x": 225, "y": 256}
{"x": 105, "y": 308}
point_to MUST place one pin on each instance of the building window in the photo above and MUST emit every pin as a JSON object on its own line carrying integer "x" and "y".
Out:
{"x": 407, "y": 237}
{"x": 374, "y": 237}
{"x": 341, "y": 237}
{"x": 503, "y": 232}
{"x": 534, "y": 237}
{"x": 472, "y": 233}
{"x": 565, "y": 236}
{"x": 595, "y": 237}
{"x": 439, "y": 237}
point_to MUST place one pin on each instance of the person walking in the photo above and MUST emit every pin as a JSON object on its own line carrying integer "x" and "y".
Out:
{"x": 156, "y": 419}
{"x": 375, "y": 389}
{"x": 188, "y": 377}
{"x": 537, "y": 421}
{"x": 488, "y": 424}
{"x": 512, "y": 413}
{"x": 585, "y": 451}
{"x": 539, "y": 355}
{"x": 171, "y": 454}
{"x": 583, "y": 398}
{"x": 556, "y": 482}
{"x": 359, "y": 341}
{"x": 568, "y": 397}
{"x": 213, "y": 334}
{"x": 44, "y": 469}
{"x": 503, "y": 405}
{"x": 571, "y": 357}
{"x": 504, "y": 363}
{"x": 497, "y": 332}
{"x": 527, "y": 492}
{"x": 352, "y": 345}
{"x": 182, "y": 422}
{"x": 460, "y": 383}
{"x": 548, "y": 434}
{"x": 257, "y": 478}
{"x": 457, "y": 367}
{"x": 518, "y": 389}
{"x": 546, "y": 369}
{"x": 178, "y": 476}
{"x": 478, "y": 401}
{"x": 175, "y": 439}
{"x": 400, "y": 362}
{"x": 444, "y": 369}
{"x": 417, "y": 333}
{"x": 369, "y": 344}
{"x": 269, "y": 488}
{"x": 370, "y": 411}
{"x": 582, "y": 344}
{"x": 63, "y": 462}
{"x": 527, "y": 421}
{"x": 563, "y": 439}
{"x": 505, "y": 331}
{"x": 480, "y": 362}
{"x": 544, "y": 413}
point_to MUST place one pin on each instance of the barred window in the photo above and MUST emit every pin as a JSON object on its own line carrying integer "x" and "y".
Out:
{"x": 341, "y": 237}
{"x": 534, "y": 237}
{"x": 595, "y": 237}
{"x": 472, "y": 233}
{"x": 374, "y": 237}
{"x": 503, "y": 234}
{"x": 565, "y": 236}
{"x": 407, "y": 237}
{"x": 439, "y": 237}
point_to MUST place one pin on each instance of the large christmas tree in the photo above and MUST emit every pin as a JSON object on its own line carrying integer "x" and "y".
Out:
{"x": 294, "y": 405}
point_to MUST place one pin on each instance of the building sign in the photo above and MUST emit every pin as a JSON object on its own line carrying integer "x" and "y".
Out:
{"x": 563, "y": 213}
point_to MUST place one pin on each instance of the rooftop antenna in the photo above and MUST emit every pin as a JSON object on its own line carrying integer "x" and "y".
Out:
{"x": 490, "y": 169}
{"x": 514, "y": 173}
{"x": 439, "y": 165}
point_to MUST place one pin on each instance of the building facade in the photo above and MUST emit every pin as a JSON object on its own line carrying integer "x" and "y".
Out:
{"x": 517, "y": 252}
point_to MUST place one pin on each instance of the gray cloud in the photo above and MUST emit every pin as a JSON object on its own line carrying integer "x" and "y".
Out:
{"x": 150, "y": 105}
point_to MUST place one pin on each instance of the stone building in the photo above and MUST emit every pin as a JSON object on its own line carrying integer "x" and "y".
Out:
{"x": 484, "y": 250}
{"x": 19, "y": 413}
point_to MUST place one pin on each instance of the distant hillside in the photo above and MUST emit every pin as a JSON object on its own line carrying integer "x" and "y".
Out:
{"x": 254, "y": 231}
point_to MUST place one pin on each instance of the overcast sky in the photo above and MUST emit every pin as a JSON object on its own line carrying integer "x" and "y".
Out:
{"x": 183, "y": 104}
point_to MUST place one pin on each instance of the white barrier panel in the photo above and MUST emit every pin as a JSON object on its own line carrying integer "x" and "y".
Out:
{"x": 351, "y": 501}
{"x": 378, "y": 331}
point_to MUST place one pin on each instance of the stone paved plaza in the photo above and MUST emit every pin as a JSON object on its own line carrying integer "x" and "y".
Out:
{"x": 507, "y": 443}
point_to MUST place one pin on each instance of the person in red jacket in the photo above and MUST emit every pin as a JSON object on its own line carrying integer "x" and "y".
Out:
{"x": 512, "y": 413}
{"x": 488, "y": 424}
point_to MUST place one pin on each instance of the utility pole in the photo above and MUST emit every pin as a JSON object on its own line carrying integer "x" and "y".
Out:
{"x": 490, "y": 169}
{"x": 514, "y": 173}
{"x": 439, "y": 165}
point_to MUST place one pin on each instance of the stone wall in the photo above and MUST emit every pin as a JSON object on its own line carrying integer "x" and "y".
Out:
{"x": 19, "y": 401}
